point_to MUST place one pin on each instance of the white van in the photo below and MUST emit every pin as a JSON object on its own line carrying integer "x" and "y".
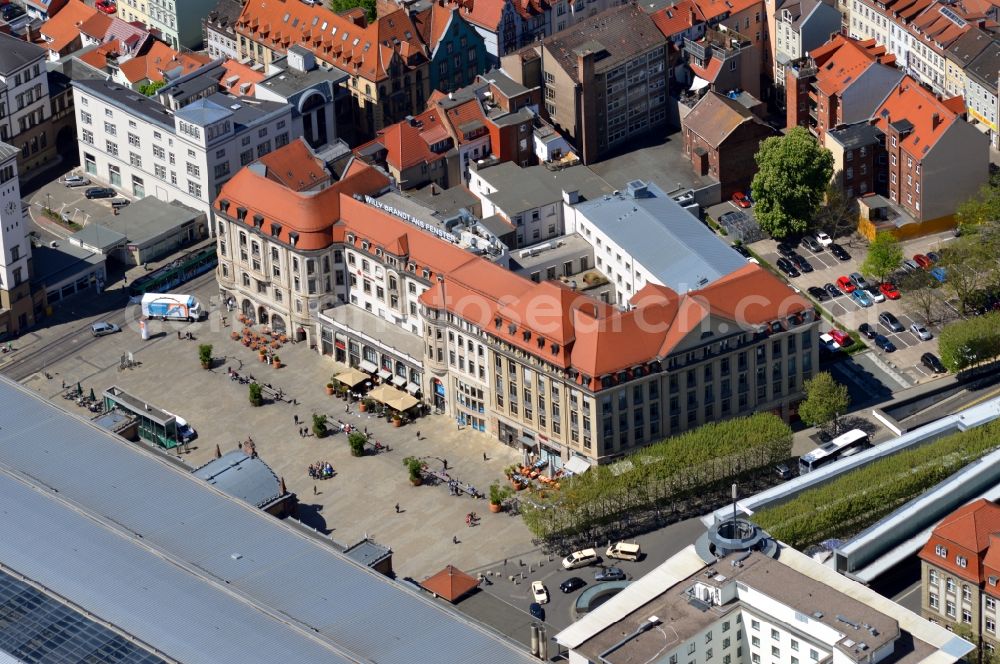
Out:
{"x": 624, "y": 551}
{"x": 580, "y": 559}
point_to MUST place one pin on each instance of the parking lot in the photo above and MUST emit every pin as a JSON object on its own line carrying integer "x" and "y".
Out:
{"x": 71, "y": 202}
{"x": 827, "y": 269}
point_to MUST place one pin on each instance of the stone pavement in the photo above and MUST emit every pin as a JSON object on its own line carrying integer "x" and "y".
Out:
{"x": 361, "y": 498}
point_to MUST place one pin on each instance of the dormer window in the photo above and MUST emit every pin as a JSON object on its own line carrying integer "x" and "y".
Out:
{"x": 411, "y": 267}
{"x": 941, "y": 550}
{"x": 365, "y": 245}
{"x": 961, "y": 561}
{"x": 258, "y": 220}
{"x": 224, "y": 205}
{"x": 497, "y": 322}
{"x": 275, "y": 229}
{"x": 526, "y": 335}
{"x": 541, "y": 342}
{"x": 555, "y": 349}
{"x": 241, "y": 213}
{"x": 427, "y": 274}
{"x": 350, "y": 238}
{"x": 512, "y": 328}
{"x": 378, "y": 252}
{"x": 293, "y": 238}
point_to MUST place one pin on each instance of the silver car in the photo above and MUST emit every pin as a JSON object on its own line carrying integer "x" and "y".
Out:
{"x": 922, "y": 332}
{"x": 75, "y": 181}
{"x": 100, "y": 328}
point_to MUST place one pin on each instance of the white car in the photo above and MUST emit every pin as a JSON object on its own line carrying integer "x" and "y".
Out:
{"x": 824, "y": 239}
{"x": 922, "y": 332}
{"x": 539, "y": 592}
{"x": 876, "y": 295}
{"x": 580, "y": 559}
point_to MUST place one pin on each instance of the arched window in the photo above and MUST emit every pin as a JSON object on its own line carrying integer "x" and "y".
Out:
{"x": 246, "y": 280}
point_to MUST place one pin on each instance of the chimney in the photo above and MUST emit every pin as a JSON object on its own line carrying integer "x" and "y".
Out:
{"x": 935, "y": 121}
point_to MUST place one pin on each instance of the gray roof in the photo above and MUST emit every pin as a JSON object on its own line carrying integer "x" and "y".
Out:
{"x": 446, "y": 203}
{"x": 368, "y": 552}
{"x": 663, "y": 237}
{"x": 856, "y": 135}
{"x": 55, "y": 264}
{"x": 965, "y": 49}
{"x": 16, "y": 53}
{"x": 148, "y": 219}
{"x": 139, "y": 105}
{"x": 8, "y": 151}
{"x": 497, "y": 225}
{"x": 985, "y": 67}
{"x": 622, "y": 33}
{"x": 519, "y": 189}
{"x": 223, "y": 17}
{"x": 505, "y": 84}
{"x": 290, "y": 81}
{"x": 99, "y": 237}
{"x": 194, "y": 83}
{"x": 244, "y": 477}
{"x": 203, "y": 112}
{"x": 198, "y": 575}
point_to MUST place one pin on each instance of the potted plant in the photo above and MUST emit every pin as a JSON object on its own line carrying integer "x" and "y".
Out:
{"x": 329, "y": 388}
{"x": 319, "y": 426}
{"x": 276, "y": 362}
{"x": 234, "y": 335}
{"x": 343, "y": 390}
{"x": 262, "y": 353}
{"x": 498, "y": 494}
{"x": 256, "y": 395}
{"x": 366, "y": 405}
{"x": 205, "y": 355}
{"x": 357, "y": 442}
{"x": 415, "y": 469}
{"x": 397, "y": 419}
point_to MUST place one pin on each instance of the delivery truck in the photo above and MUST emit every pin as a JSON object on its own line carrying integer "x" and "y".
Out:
{"x": 170, "y": 306}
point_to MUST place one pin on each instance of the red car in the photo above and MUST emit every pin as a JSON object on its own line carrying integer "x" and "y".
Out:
{"x": 841, "y": 337}
{"x": 889, "y": 291}
{"x": 845, "y": 284}
{"x": 923, "y": 261}
{"x": 106, "y": 6}
{"x": 740, "y": 199}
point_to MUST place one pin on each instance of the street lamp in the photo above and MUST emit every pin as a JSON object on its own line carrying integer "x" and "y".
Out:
{"x": 48, "y": 201}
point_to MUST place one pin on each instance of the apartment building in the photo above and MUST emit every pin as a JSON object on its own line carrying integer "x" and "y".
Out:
{"x": 533, "y": 364}
{"x": 737, "y": 596}
{"x": 139, "y": 146}
{"x": 959, "y": 568}
{"x": 723, "y": 61}
{"x": 457, "y": 51}
{"x": 859, "y": 159}
{"x": 840, "y": 83}
{"x": 973, "y": 61}
{"x": 219, "y": 30}
{"x": 936, "y": 160}
{"x": 25, "y": 110}
{"x": 17, "y": 310}
{"x": 800, "y": 27}
{"x": 60, "y": 34}
{"x": 605, "y": 80}
{"x": 178, "y": 21}
{"x": 386, "y": 61}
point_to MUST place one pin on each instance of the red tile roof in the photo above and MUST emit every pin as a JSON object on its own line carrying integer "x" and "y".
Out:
{"x": 842, "y": 60}
{"x": 713, "y": 9}
{"x": 433, "y": 23}
{"x": 966, "y": 531}
{"x": 450, "y": 583}
{"x": 236, "y": 75}
{"x": 676, "y": 19}
{"x": 929, "y": 116}
{"x": 295, "y": 166}
{"x": 64, "y": 28}
{"x": 158, "y": 60}
{"x": 709, "y": 71}
{"x": 363, "y": 50}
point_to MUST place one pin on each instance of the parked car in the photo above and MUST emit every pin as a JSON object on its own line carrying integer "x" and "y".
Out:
{"x": 741, "y": 200}
{"x": 828, "y": 343}
{"x": 624, "y": 551}
{"x": 934, "y": 256}
{"x": 75, "y": 181}
{"x": 119, "y": 203}
{"x": 860, "y": 281}
{"x": 867, "y": 330}
{"x": 842, "y": 338}
{"x": 818, "y": 293}
{"x": 875, "y": 294}
{"x": 839, "y": 252}
{"x": 539, "y": 592}
{"x": 939, "y": 273}
{"x": 100, "y": 192}
{"x": 884, "y": 343}
{"x": 812, "y": 244}
{"x": 845, "y": 284}
{"x": 861, "y": 297}
{"x": 785, "y": 249}
{"x": 833, "y": 290}
{"x": 100, "y": 328}
{"x": 580, "y": 559}
{"x": 783, "y": 471}
{"x": 105, "y": 6}
{"x": 741, "y": 250}
{"x": 824, "y": 239}
{"x": 890, "y": 322}
{"x": 610, "y": 574}
{"x": 921, "y": 332}
{"x": 931, "y": 361}
{"x": 536, "y": 611}
{"x": 801, "y": 263}
{"x": 571, "y": 584}
{"x": 786, "y": 267}
{"x": 910, "y": 265}
{"x": 922, "y": 261}
{"x": 889, "y": 290}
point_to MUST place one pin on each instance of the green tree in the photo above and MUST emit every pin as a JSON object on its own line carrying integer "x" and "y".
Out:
{"x": 923, "y": 300}
{"x": 340, "y": 6}
{"x": 884, "y": 256}
{"x": 256, "y": 395}
{"x": 967, "y": 343}
{"x": 356, "y": 441}
{"x": 825, "y": 401}
{"x": 982, "y": 208}
{"x": 792, "y": 177}
{"x": 205, "y": 355}
{"x": 319, "y": 425}
{"x": 149, "y": 89}
{"x": 838, "y": 216}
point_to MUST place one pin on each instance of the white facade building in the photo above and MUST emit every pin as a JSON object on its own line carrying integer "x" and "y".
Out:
{"x": 24, "y": 99}
{"x": 15, "y": 250}
{"x": 141, "y": 148}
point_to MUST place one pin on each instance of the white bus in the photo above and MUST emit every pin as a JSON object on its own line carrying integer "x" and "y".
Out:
{"x": 842, "y": 446}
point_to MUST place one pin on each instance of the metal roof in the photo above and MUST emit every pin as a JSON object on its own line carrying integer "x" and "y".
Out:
{"x": 664, "y": 238}
{"x": 197, "y": 575}
{"x": 247, "y": 478}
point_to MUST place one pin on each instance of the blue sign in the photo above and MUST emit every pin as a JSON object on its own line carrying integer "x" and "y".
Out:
{"x": 439, "y": 389}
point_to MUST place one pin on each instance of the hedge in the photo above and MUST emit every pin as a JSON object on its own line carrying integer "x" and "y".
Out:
{"x": 691, "y": 464}
{"x": 849, "y": 504}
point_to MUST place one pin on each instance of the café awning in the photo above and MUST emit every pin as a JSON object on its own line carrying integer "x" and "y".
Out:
{"x": 368, "y": 367}
{"x": 384, "y": 374}
{"x": 393, "y": 398}
{"x": 412, "y": 388}
{"x": 399, "y": 381}
{"x": 352, "y": 377}
{"x": 576, "y": 465}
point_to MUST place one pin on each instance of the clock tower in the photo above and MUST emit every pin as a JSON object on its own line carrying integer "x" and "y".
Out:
{"x": 16, "y": 303}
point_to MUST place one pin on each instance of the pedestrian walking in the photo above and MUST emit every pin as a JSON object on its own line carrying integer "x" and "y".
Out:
{"x": 178, "y": 334}
{"x": 418, "y": 434}
{"x": 454, "y": 538}
{"x": 445, "y": 462}
{"x": 484, "y": 456}
{"x": 315, "y": 490}
{"x": 296, "y": 419}
{"x": 397, "y": 508}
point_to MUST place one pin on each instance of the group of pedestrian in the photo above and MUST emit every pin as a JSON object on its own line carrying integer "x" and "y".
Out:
{"x": 321, "y": 470}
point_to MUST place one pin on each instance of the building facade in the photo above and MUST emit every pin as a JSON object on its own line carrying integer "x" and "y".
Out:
{"x": 219, "y": 32}
{"x": 25, "y": 106}
{"x": 800, "y": 27}
{"x": 138, "y": 146}
{"x": 457, "y": 50}
{"x": 17, "y": 310}
{"x": 178, "y": 21}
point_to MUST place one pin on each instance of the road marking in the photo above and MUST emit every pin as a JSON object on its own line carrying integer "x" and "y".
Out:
{"x": 981, "y": 399}
{"x": 909, "y": 592}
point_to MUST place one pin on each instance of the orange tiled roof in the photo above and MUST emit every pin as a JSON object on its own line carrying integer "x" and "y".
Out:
{"x": 969, "y": 528}
{"x": 432, "y": 24}
{"x": 842, "y": 60}
{"x": 64, "y": 28}
{"x": 713, "y": 9}
{"x": 678, "y": 18}
{"x": 366, "y": 51}
{"x": 462, "y": 115}
{"x": 96, "y": 26}
{"x": 244, "y": 75}
{"x": 929, "y": 116}
{"x": 295, "y": 166}
{"x": 709, "y": 71}
{"x": 158, "y": 60}
{"x": 98, "y": 56}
